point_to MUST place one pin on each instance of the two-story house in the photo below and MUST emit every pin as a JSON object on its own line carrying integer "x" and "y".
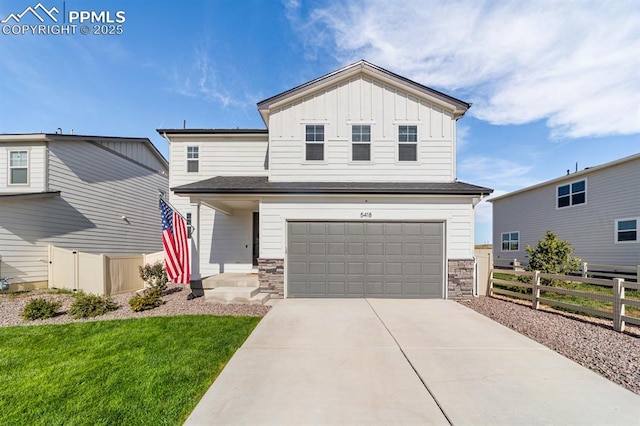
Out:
{"x": 90, "y": 193}
{"x": 596, "y": 209}
{"x": 351, "y": 191}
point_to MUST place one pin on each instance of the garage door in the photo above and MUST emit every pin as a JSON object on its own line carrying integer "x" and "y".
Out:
{"x": 365, "y": 259}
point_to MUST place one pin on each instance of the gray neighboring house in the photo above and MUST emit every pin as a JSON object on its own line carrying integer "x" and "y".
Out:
{"x": 90, "y": 193}
{"x": 597, "y": 210}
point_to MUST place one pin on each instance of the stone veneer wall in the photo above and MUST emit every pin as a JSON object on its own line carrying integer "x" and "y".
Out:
{"x": 271, "y": 276}
{"x": 460, "y": 279}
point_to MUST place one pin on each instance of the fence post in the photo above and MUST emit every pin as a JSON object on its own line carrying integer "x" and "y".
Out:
{"x": 535, "y": 291}
{"x": 618, "y": 304}
{"x": 585, "y": 268}
{"x": 638, "y": 274}
{"x": 490, "y": 282}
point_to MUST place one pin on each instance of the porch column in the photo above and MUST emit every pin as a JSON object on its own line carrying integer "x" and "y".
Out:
{"x": 195, "y": 239}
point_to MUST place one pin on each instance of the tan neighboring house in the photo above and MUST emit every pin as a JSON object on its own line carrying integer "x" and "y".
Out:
{"x": 596, "y": 209}
{"x": 350, "y": 191}
{"x": 94, "y": 194}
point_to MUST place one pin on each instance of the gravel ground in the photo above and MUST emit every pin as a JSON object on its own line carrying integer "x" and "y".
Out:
{"x": 176, "y": 303}
{"x": 591, "y": 342}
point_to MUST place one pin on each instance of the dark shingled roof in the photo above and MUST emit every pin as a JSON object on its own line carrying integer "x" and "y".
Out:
{"x": 261, "y": 185}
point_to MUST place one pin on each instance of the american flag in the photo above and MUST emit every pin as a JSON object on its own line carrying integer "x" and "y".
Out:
{"x": 176, "y": 245}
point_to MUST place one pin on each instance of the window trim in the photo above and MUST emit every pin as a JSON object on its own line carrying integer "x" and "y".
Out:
{"x": 410, "y": 143}
{"x": 351, "y": 159}
{"x": 323, "y": 142}
{"x": 510, "y": 241}
{"x": 570, "y": 185}
{"x": 187, "y": 159}
{"x": 10, "y": 167}
{"x": 616, "y": 231}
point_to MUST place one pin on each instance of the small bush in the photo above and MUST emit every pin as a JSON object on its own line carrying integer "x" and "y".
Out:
{"x": 154, "y": 275}
{"x": 40, "y": 308}
{"x": 149, "y": 299}
{"x": 91, "y": 305}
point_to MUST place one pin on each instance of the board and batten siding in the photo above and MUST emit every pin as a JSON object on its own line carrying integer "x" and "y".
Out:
{"x": 97, "y": 189}
{"x": 612, "y": 193}
{"x": 362, "y": 100}
{"x": 37, "y": 164}
{"x": 457, "y": 213}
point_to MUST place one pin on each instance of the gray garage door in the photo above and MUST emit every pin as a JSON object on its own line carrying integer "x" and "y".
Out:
{"x": 365, "y": 259}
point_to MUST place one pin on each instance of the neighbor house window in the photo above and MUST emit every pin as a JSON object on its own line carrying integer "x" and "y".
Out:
{"x": 314, "y": 142}
{"x": 627, "y": 230}
{"x": 193, "y": 159}
{"x": 18, "y": 167}
{"x": 407, "y": 143}
{"x": 361, "y": 143}
{"x": 572, "y": 194}
{"x": 510, "y": 241}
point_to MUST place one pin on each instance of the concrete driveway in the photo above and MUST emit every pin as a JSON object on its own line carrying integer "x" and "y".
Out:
{"x": 382, "y": 362}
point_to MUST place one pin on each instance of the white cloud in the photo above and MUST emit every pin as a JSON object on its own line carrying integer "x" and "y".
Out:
{"x": 574, "y": 64}
{"x": 495, "y": 172}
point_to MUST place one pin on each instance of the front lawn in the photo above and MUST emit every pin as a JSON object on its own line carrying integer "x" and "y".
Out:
{"x": 147, "y": 371}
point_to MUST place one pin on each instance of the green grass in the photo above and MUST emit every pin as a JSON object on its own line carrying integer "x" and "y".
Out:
{"x": 575, "y": 300}
{"x": 148, "y": 371}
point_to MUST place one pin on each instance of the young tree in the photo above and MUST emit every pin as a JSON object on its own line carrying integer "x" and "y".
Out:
{"x": 552, "y": 255}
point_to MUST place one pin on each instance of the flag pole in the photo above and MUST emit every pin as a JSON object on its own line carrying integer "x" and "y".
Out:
{"x": 173, "y": 207}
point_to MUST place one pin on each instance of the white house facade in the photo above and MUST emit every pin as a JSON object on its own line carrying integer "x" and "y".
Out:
{"x": 89, "y": 193}
{"x": 597, "y": 210}
{"x": 351, "y": 191}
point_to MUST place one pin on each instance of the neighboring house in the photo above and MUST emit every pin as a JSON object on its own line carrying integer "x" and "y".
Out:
{"x": 90, "y": 193}
{"x": 350, "y": 192}
{"x": 597, "y": 210}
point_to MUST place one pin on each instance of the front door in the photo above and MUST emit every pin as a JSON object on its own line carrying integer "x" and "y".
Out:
{"x": 256, "y": 237}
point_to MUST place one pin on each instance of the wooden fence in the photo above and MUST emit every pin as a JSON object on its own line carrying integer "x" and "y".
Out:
{"x": 587, "y": 270}
{"x": 618, "y": 299}
{"x": 96, "y": 273}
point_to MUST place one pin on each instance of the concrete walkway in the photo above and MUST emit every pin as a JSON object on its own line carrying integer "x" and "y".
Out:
{"x": 381, "y": 362}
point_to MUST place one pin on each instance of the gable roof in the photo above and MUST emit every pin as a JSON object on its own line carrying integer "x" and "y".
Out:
{"x": 46, "y": 137}
{"x": 569, "y": 177}
{"x": 457, "y": 106}
{"x": 261, "y": 185}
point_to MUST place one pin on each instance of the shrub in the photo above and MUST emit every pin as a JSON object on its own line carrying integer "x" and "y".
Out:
{"x": 553, "y": 256}
{"x": 40, "y": 308}
{"x": 149, "y": 299}
{"x": 91, "y": 305}
{"x": 154, "y": 275}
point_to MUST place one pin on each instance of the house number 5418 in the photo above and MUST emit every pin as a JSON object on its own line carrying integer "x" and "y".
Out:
{"x": 368, "y": 215}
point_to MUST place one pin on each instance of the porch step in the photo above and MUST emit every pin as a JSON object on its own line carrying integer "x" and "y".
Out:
{"x": 230, "y": 280}
{"x": 243, "y": 295}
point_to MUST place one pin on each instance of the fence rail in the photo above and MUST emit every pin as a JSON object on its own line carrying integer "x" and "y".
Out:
{"x": 587, "y": 270}
{"x": 537, "y": 286}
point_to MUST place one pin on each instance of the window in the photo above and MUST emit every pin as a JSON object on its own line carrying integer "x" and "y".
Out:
{"x": 407, "y": 143}
{"x": 193, "y": 159}
{"x": 510, "y": 241}
{"x": 626, "y": 230}
{"x": 18, "y": 167}
{"x": 572, "y": 194}
{"x": 314, "y": 149}
{"x": 189, "y": 227}
{"x": 361, "y": 143}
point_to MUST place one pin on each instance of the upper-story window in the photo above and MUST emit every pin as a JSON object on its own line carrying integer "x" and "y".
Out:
{"x": 314, "y": 142}
{"x": 18, "y": 167}
{"x": 407, "y": 143}
{"x": 510, "y": 241}
{"x": 572, "y": 194}
{"x": 361, "y": 143}
{"x": 193, "y": 159}
{"x": 627, "y": 230}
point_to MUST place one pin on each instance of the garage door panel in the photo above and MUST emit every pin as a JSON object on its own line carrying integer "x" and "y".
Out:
{"x": 365, "y": 259}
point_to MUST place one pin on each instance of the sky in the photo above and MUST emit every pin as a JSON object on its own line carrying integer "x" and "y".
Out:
{"x": 555, "y": 85}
